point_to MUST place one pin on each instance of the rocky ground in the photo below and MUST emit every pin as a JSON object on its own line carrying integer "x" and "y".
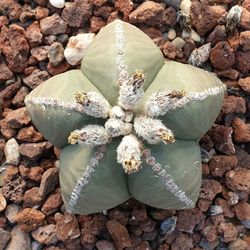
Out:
{"x": 35, "y": 45}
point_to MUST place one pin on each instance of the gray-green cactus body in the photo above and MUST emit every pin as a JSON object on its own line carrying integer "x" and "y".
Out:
{"x": 107, "y": 186}
{"x": 91, "y": 179}
{"x": 45, "y": 102}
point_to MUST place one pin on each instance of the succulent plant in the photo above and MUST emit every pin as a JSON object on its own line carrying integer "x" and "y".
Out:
{"x": 128, "y": 123}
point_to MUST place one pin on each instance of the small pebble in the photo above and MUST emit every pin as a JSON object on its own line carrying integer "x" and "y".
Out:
{"x": 216, "y": 210}
{"x": 171, "y": 34}
{"x": 57, "y": 3}
{"x": 178, "y": 42}
{"x": 167, "y": 226}
{"x": 11, "y": 152}
{"x": 2, "y": 202}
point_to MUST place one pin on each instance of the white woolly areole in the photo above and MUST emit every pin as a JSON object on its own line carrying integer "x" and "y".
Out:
{"x": 92, "y": 135}
{"x": 96, "y": 105}
{"x": 117, "y": 127}
{"x": 160, "y": 103}
{"x": 117, "y": 113}
{"x": 151, "y": 130}
{"x": 130, "y": 92}
{"x": 129, "y": 154}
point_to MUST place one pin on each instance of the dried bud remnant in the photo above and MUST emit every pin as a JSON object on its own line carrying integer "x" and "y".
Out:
{"x": 129, "y": 154}
{"x": 131, "y": 90}
{"x": 91, "y": 135}
{"x": 93, "y": 104}
{"x": 200, "y": 55}
{"x": 152, "y": 130}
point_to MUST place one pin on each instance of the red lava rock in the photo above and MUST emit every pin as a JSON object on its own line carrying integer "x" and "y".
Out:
{"x": 245, "y": 20}
{"x": 204, "y": 18}
{"x": 49, "y": 181}
{"x": 77, "y": 13}
{"x": 5, "y": 73}
{"x": 238, "y": 245}
{"x": 96, "y": 23}
{"x": 32, "y": 198}
{"x": 234, "y": 104}
{"x": 88, "y": 239}
{"x": 150, "y": 13}
{"x": 217, "y": 35}
{"x": 53, "y": 25}
{"x": 104, "y": 12}
{"x": 228, "y": 231}
{"x": 105, "y": 245}
{"x": 152, "y": 32}
{"x": 34, "y": 150}
{"x": 222, "y": 139}
{"x": 52, "y": 204}
{"x": 11, "y": 173}
{"x": 3, "y": 21}
{"x": 35, "y": 173}
{"x": 66, "y": 227}
{"x": 29, "y": 219}
{"x": 11, "y": 9}
{"x": 243, "y": 158}
{"x": 222, "y": 56}
{"x": 14, "y": 190}
{"x": 119, "y": 215}
{"x": 9, "y": 91}
{"x": 99, "y": 3}
{"x": 242, "y": 210}
{"x": 40, "y": 53}
{"x": 63, "y": 67}
{"x": 5, "y": 237}
{"x": 227, "y": 210}
{"x": 96, "y": 225}
{"x": 148, "y": 225}
{"x": 228, "y": 73}
{"x": 220, "y": 164}
{"x": 182, "y": 241}
{"x": 34, "y": 35}
{"x": 15, "y": 47}
{"x": 18, "y": 99}
{"x": 41, "y": 12}
{"x": 17, "y": 118}
{"x": 139, "y": 213}
{"x": 36, "y": 78}
{"x": 119, "y": 234}
{"x": 45, "y": 234}
{"x": 203, "y": 204}
{"x": 209, "y": 189}
{"x": 238, "y": 179}
{"x": 171, "y": 52}
{"x": 210, "y": 232}
{"x": 6, "y": 131}
{"x": 188, "y": 219}
{"x": 162, "y": 214}
{"x": 125, "y": 7}
{"x": 241, "y": 131}
{"x": 29, "y": 134}
{"x": 2, "y": 202}
{"x": 246, "y": 5}
{"x": 245, "y": 84}
{"x": 245, "y": 40}
{"x": 170, "y": 17}
{"x": 242, "y": 61}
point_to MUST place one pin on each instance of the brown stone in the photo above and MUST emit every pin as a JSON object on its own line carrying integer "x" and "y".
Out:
{"x": 104, "y": 11}
{"x": 203, "y": 204}
{"x": 9, "y": 91}
{"x": 182, "y": 241}
{"x": 77, "y": 13}
{"x": 227, "y": 210}
{"x": 209, "y": 189}
{"x": 36, "y": 78}
{"x": 34, "y": 35}
{"x": 119, "y": 234}
{"x": 66, "y": 227}
{"x": 148, "y": 225}
{"x": 52, "y": 204}
{"x": 238, "y": 179}
{"x": 35, "y": 173}
{"x": 105, "y": 245}
{"x": 245, "y": 40}
{"x": 246, "y": 5}
{"x": 63, "y": 67}
{"x": 56, "y": 54}
{"x": 125, "y": 7}
{"x": 40, "y": 53}
{"x": 242, "y": 210}
{"x": 53, "y": 25}
{"x": 222, "y": 139}
{"x": 11, "y": 9}
{"x": 4, "y": 21}
{"x": 245, "y": 84}
{"x": 242, "y": 61}
{"x": 32, "y": 198}
{"x": 228, "y": 73}
{"x": 233, "y": 104}
{"x": 87, "y": 239}
{"x": 238, "y": 245}
{"x": 15, "y": 47}
{"x": 149, "y": 13}
{"x": 210, "y": 232}
{"x": 18, "y": 118}
{"x": 220, "y": 164}
{"x": 11, "y": 173}
{"x": 49, "y": 181}
{"x": 45, "y": 234}
{"x": 29, "y": 219}
{"x": 188, "y": 219}
{"x": 5, "y": 237}
{"x": 222, "y": 56}
{"x": 245, "y": 20}
{"x": 96, "y": 23}
{"x": 170, "y": 17}
{"x": 2, "y": 202}
{"x": 18, "y": 99}
{"x": 234, "y": 40}
{"x": 228, "y": 231}
{"x": 217, "y": 35}
{"x": 29, "y": 134}
{"x": 41, "y": 12}
{"x": 204, "y": 18}
{"x": 34, "y": 150}
{"x": 96, "y": 225}
{"x": 5, "y": 73}
{"x": 241, "y": 131}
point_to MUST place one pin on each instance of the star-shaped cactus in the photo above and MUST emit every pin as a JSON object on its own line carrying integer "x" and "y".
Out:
{"x": 128, "y": 123}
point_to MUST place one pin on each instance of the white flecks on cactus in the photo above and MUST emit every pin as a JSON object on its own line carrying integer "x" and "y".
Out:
{"x": 129, "y": 154}
{"x": 233, "y": 17}
{"x": 117, "y": 112}
{"x": 77, "y": 46}
{"x": 92, "y": 135}
{"x": 131, "y": 90}
{"x": 162, "y": 101}
{"x": 93, "y": 104}
{"x": 57, "y": 3}
{"x": 153, "y": 131}
{"x": 116, "y": 127}
{"x": 200, "y": 55}
{"x": 11, "y": 152}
